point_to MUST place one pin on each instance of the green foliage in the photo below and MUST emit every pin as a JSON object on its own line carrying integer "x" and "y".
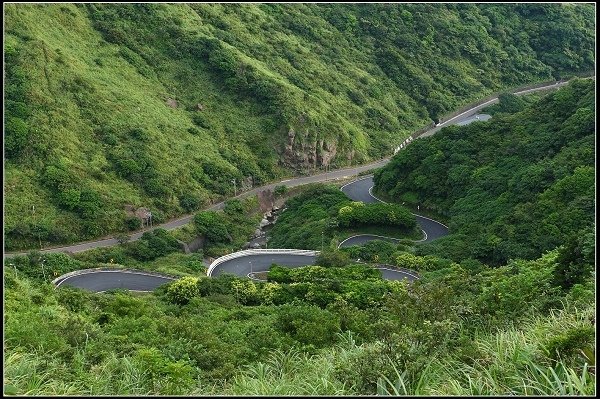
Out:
{"x": 133, "y": 223}
{"x": 280, "y": 190}
{"x": 309, "y": 218}
{"x": 17, "y": 136}
{"x": 376, "y": 251}
{"x": 570, "y": 343}
{"x": 233, "y": 207}
{"x": 183, "y": 290}
{"x": 509, "y": 103}
{"x": 409, "y": 261}
{"x": 512, "y": 188}
{"x": 455, "y": 323}
{"x": 308, "y": 325}
{"x": 189, "y": 202}
{"x": 153, "y": 244}
{"x": 576, "y": 259}
{"x": 212, "y": 226}
{"x": 376, "y": 214}
{"x": 332, "y": 259}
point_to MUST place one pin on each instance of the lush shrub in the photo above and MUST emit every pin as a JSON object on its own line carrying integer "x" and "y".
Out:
{"x": 189, "y": 202}
{"x": 332, "y": 259}
{"x": 376, "y": 214}
{"x": 183, "y": 290}
{"x": 153, "y": 244}
{"x": 308, "y": 325}
{"x": 133, "y": 223}
{"x": 212, "y": 226}
{"x": 280, "y": 190}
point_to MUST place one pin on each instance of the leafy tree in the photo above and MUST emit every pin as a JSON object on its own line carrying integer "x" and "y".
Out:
{"x": 133, "y": 223}
{"x": 70, "y": 198}
{"x": 280, "y": 190}
{"x": 212, "y": 226}
{"x": 17, "y": 135}
{"x": 189, "y": 202}
{"x": 575, "y": 261}
{"x": 308, "y": 325}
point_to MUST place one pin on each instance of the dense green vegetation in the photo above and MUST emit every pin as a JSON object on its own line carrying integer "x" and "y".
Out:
{"x": 114, "y": 107}
{"x": 514, "y": 187}
{"x": 162, "y": 106}
{"x": 228, "y": 231}
{"x": 511, "y": 103}
{"x": 460, "y": 329}
{"x": 322, "y": 214}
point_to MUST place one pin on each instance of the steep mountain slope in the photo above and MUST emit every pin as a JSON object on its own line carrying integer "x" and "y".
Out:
{"x": 115, "y": 107}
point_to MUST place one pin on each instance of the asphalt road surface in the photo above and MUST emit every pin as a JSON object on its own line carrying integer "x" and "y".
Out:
{"x": 260, "y": 263}
{"x": 360, "y": 190}
{"x": 104, "y": 280}
{"x": 474, "y": 118}
{"x": 361, "y": 239}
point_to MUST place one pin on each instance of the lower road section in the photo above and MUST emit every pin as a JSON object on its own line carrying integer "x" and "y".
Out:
{"x": 261, "y": 262}
{"x": 243, "y": 263}
{"x": 104, "y": 280}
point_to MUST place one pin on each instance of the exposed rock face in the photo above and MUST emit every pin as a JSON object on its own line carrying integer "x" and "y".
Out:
{"x": 199, "y": 107}
{"x": 196, "y": 244}
{"x": 129, "y": 209}
{"x": 305, "y": 151}
{"x": 266, "y": 200}
{"x": 247, "y": 183}
{"x": 184, "y": 247}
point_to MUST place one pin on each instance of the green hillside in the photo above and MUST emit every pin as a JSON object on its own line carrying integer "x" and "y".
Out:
{"x": 161, "y": 106}
{"x": 513, "y": 187}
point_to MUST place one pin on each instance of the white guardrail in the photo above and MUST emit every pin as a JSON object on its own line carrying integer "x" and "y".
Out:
{"x": 247, "y": 252}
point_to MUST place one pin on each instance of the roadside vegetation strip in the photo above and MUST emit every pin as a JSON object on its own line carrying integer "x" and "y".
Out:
{"x": 416, "y": 214}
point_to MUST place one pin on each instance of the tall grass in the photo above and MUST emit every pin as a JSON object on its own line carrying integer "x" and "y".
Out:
{"x": 510, "y": 362}
{"x": 288, "y": 373}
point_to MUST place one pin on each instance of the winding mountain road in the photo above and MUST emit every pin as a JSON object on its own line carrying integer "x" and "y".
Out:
{"x": 321, "y": 177}
{"x": 243, "y": 263}
{"x": 240, "y": 264}
{"x": 361, "y": 190}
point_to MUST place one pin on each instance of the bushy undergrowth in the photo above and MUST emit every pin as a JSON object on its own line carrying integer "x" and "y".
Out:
{"x": 322, "y": 214}
{"x": 460, "y": 330}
